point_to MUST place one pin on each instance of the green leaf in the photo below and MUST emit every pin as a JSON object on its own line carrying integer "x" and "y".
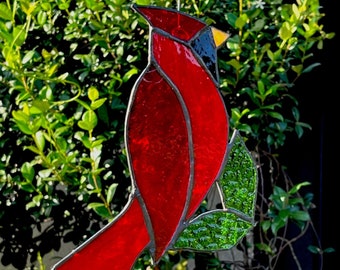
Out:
{"x": 83, "y": 104}
{"x": 89, "y": 121}
{"x": 103, "y": 115}
{"x": 30, "y": 205}
{"x": 296, "y": 11}
{"x": 265, "y": 225}
{"x": 35, "y": 124}
{"x": 28, "y": 56}
{"x": 296, "y": 113}
{"x": 63, "y": 4}
{"x": 93, "y": 93}
{"x": 111, "y": 192}
{"x": 52, "y": 70}
{"x": 33, "y": 149}
{"x": 86, "y": 141}
{"x": 37, "y": 199}
{"x": 277, "y": 224}
{"x": 27, "y": 186}
{"x": 19, "y": 35}
{"x": 292, "y": 42}
{"x": 42, "y": 17}
{"x": 285, "y": 31}
{"x": 5, "y": 12}
{"x": 245, "y": 128}
{"x": 311, "y": 67}
{"x": 297, "y": 187}
{"x": 45, "y": 173}
{"x": 297, "y": 69}
{"x": 28, "y": 7}
{"x": 261, "y": 87}
{"x": 234, "y": 63}
{"x": 231, "y": 19}
{"x": 100, "y": 209}
{"x": 314, "y": 249}
{"x": 296, "y": 200}
{"x": 284, "y": 214}
{"x": 276, "y": 115}
{"x": 39, "y": 106}
{"x": 96, "y": 25}
{"x": 27, "y": 171}
{"x": 241, "y": 21}
{"x": 329, "y": 250}
{"x": 97, "y": 103}
{"x": 7, "y": 38}
{"x": 129, "y": 74}
{"x": 94, "y": 5}
{"x": 40, "y": 140}
{"x": 20, "y": 116}
{"x": 258, "y": 26}
{"x": 300, "y": 215}
{"x": 299, "y": 131}
{"x": 143, "y": 2}
{"x": 266, "y": 248}
{"x": 25, "y": 128}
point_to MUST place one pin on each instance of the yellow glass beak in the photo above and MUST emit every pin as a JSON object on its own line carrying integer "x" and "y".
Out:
{"x": 219, "y": 36}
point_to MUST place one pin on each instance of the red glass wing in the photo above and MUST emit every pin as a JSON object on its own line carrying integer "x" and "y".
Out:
{"x": 157, "y": 144}
{"x": 206, "y": 109}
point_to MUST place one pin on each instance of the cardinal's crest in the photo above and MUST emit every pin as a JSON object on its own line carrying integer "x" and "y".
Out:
{"x": 178, "y": 151}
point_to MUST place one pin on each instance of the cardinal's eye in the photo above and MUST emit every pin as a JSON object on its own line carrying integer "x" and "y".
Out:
{"x": 180, "y": 33}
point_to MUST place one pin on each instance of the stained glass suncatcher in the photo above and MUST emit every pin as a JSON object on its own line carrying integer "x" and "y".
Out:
{"x": 176, "y": 137}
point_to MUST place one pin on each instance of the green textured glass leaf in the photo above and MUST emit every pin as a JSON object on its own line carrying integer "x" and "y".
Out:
{"x": 238, "y": 181}
{"x": 213, "y": 230}
{"x": 221, "y": 229}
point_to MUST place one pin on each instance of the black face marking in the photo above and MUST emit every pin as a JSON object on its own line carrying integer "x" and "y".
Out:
{"x": 204, "y": 46}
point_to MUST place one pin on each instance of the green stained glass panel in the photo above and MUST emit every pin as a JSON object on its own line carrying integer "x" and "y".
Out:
{"x": 220, "y": 229}
{"x": 239, "y": 179}
{"x": 215, "y": 230}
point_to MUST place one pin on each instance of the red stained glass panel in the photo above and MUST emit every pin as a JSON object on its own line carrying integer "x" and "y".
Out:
{"x": 115, "y": 247}
{"x": 206, "y": 109}
{"x": 157, "y": 143}
{"x": 177, "y": 24}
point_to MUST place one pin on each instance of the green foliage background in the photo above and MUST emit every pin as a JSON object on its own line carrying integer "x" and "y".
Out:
{"x": 67, "y": 69}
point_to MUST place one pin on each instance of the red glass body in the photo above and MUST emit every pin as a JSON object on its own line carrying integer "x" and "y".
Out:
{"x": 176, "y": 137}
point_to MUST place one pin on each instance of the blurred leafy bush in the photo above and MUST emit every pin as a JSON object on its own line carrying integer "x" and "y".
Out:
{"x": 67, "y": 69}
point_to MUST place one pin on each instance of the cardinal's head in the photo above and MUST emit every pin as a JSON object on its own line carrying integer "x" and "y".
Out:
{"x": 202, "y": 38}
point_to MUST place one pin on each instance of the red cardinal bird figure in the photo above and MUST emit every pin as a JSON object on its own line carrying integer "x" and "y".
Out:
{"x": 176, "y": 136}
